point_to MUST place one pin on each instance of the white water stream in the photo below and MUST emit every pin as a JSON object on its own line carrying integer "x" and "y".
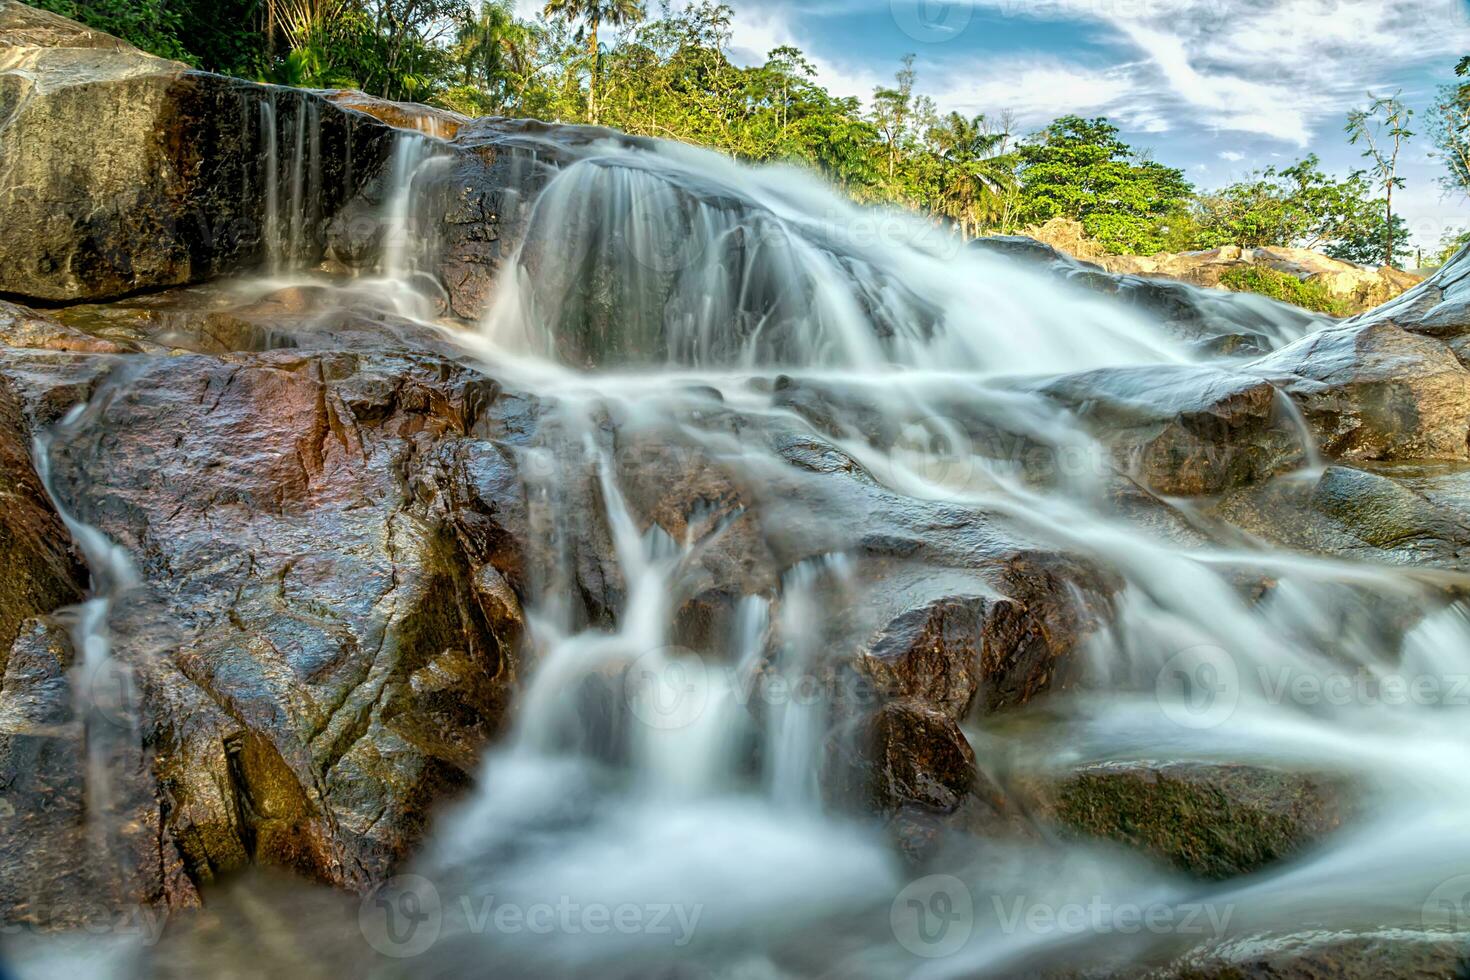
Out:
{"x": 654, "y": 783}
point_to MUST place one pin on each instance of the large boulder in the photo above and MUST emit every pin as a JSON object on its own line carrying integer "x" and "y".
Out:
{"x": 181, "y": 187}
{"x": 1185, "y": 430}
{"x": 323, "y": 636}
{"x": 1375, "y": 391}
{"x": 1214, "y": 821}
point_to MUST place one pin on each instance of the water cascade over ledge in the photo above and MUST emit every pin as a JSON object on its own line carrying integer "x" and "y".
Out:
{"x": 777, "y": 455}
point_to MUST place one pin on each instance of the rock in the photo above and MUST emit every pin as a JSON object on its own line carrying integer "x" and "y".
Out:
{"x": 1389, "y": 518}
{"x": 41, "y": 572}
{"x": 1214, "y": 821}
{"x": 1400, "y": 954}
{"x": 1438, "y": 307}
{"x": 1359, "y": 288}
{"x": 327, "y": 632}
{"x": 1184, "y": 430}
{"x": 1374, "y": 391}
{"x": 426, "y": 119}
{"x": 177, "y": 192}
{"x": 22, "y": 327}
{"x": 1214, "y": 321}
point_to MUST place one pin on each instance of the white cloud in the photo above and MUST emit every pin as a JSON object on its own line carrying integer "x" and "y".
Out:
{"x": 1230, "y": 156}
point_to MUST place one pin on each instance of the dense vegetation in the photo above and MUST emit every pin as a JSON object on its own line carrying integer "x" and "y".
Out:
{"x": 669, "y": 74}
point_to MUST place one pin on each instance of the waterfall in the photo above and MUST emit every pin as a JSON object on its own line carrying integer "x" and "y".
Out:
{"x": 404, "y": 244}
{"x": 271, "y": 181}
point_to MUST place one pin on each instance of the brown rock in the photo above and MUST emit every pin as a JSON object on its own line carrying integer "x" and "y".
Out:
{"x": 1376, "y": 391}
{"x": 1211, "y": 820}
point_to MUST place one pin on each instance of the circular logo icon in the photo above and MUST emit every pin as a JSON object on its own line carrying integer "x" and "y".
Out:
{"x": 933, "y": 916}
{"x": 1448, "y": 906}
{"x": 932, "y": 21}
{"x": 664, "y": 233}
{"x": 936, "y": 450}
{"x": 667, "y": 688}
{"x": 1198, "y": 687}
{"x": 108, "y": 690}
{"x": 402, "y": 916}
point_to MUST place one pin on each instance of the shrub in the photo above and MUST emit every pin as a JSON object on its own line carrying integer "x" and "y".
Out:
{"x": 1284, "y": 287}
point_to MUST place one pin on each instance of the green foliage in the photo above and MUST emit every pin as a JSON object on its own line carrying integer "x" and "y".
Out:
{"x": 1449, "y": 130}
{"x": 1368, "y": 241}
{"x": 154, "y": 26}
{"x": 1299, "y": 205}
{"x": 1081, "y": 168}
{"x": 1284, "y": 287}
{"x": 1450, "y": 244}
{"x": 670, "y": 76}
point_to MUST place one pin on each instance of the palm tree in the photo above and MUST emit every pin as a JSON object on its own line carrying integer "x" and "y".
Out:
{"x": 490, "y": 47}
{"x": 981, "y": 169}
{"x": 593, "y": 14}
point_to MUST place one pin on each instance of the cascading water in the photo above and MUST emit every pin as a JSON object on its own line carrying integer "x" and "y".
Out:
{"x": 676, "y": 273}
{"x": 835, "y": 396}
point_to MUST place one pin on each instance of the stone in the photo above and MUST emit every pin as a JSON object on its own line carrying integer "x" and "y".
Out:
{"x": 1212, "y": 820}
{"x": 177, "y": 192}
{"x": 1374, "y": 391}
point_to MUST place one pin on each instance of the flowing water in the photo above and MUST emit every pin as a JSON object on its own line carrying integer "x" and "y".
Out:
{"x": 659, "y": 810}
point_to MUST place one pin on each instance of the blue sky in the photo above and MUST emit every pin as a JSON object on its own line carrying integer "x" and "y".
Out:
{"x": 1216, "y": 87}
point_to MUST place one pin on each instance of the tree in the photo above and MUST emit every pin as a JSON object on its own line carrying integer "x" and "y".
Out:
{"x": 897, "y": 111}
{"x": 1384, "y": 127}
{"x": 1080, "y": 168}
{"x": 1449, "y": 129}
{"x": 979, "y": 172}
{"x": 1369, "y": 241}
{"x": 593, "y": 14}
{"x": 1298, "y": 206}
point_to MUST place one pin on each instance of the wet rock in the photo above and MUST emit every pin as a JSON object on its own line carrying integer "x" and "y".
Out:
{"x": 1184, "y": 430}
{"x": 177, "y": 191}
{"x": 1438, "y": 307}
{"x": 426, "y": 119}
{"x": 319, "y": 649}
{"x": 1358, "y": 514}
{"x": 1375, "y": 391}
{"x": 1212, "y": 820}
{"x": 1218, "y": 322}
{"x": 41, "y": 573}
{"x": 1401, "y": 954}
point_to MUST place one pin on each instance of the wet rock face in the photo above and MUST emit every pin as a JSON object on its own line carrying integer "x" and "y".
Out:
{"x": 41, "y": 572}
{"x": 1399, "y": 517}
{"x": 1213, "y": 821}
{"x": 325, "y": 639}
{"x": 1185, "y": 430}
{"x": 1402, "y": 955}
{"x": 1377, "y": 392}
{"x": 177, "y": 193}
